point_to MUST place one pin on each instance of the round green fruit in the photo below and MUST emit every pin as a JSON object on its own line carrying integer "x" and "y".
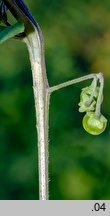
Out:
{"x": 93, "y": 124}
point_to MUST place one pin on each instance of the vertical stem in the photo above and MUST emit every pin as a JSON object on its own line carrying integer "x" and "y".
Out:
{"x": 93, "y": 86}
{"x": 47, "y": 102}
{"x": 100, "y": 96}
{"x": 40, "y": 85}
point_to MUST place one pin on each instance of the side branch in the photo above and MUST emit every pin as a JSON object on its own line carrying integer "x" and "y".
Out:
{"x": 74, "y": 81}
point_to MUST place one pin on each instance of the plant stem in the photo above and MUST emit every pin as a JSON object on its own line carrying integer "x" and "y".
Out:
{"x": 93, "y": 85}
{"x": 11, "y": 31}
{"x": 71, "y": 82}
{"x": 99, "y": 99}
{"x": 42, "y": 93}
{"x": 34, "y": 43}
{"x": 32, "y": 36}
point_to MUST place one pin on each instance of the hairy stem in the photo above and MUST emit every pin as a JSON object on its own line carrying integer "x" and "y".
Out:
{"x": 42, "y": 93}
{"x": 71, "y": 82}
{"x": 32, "y": 36}
{"x": 40, "y": 85}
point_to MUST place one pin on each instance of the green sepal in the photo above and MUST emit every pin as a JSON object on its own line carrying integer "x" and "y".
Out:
{"x": 89, "y": 89}
{"x": 84, "y": 108}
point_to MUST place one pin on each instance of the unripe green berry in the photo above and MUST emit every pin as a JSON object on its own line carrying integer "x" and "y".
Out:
{"x": 93, "y": 124}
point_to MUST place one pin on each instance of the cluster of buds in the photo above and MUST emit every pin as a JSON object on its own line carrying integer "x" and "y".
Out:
{"x": 90, "y": 102}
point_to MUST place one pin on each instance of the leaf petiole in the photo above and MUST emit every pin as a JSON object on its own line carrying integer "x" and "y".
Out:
{"x": 11, "y": 31}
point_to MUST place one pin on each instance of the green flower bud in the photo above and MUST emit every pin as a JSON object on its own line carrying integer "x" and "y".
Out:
{"x": 84, "y": 107}
{"x": 87, "y": 103}
{"x": 89, "y": 89}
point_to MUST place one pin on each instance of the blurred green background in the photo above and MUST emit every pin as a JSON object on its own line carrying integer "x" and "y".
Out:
{"x": 77, "y": 42}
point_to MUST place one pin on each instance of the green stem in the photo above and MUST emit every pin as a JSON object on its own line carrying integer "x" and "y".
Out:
{"x": 71, "y": 82}
{"x": 94, "y": 85}
{"x": 11, "y": 31}
{"x": 99, "y": 100}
